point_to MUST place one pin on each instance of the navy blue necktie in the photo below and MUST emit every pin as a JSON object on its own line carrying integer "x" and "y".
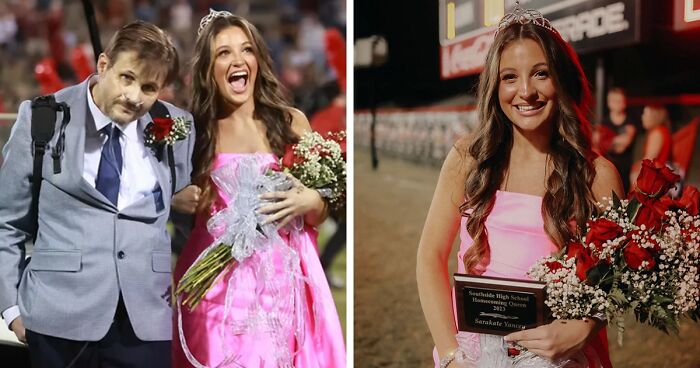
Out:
{"x": 107, "y": 181}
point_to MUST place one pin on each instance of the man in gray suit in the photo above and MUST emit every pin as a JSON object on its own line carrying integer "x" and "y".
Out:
{"x": 96, "y": 291}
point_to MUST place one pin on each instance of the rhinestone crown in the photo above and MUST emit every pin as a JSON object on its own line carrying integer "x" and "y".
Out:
{"x": 213, "y": 14}
{"x": 524, "y": 16}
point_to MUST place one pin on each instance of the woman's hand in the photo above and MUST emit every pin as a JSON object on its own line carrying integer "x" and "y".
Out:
{"x": 456, "y": 364}
{"x": 459, "y": 364}
{"x": 297, "y": 201}
{"x": 559, "y": 339}
{"x": 186, "y": 200}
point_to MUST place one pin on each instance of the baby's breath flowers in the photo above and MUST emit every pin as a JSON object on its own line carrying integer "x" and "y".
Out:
{"x": 319, "y": 164}
{"x": 640, "y": 255}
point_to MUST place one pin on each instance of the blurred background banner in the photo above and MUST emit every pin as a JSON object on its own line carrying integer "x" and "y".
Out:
{"x": 467, "y": 27}
{"x": 45, "y": 45}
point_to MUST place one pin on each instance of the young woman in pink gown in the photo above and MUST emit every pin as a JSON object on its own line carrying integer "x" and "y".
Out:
{"x": 273, "y": 309}
{"x": 515, "y": 190}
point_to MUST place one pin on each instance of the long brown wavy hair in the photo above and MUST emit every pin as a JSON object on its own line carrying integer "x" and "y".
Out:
{"x": 568, "y": 188}
{"x": 272, "y": 106}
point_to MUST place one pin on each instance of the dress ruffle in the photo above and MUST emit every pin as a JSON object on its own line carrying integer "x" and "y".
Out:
{"x": 274, "y": 308}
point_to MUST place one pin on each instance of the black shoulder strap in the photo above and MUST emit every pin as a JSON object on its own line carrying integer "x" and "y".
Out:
{"x": 43, "y": 124}
{"x": 158, "y": 110}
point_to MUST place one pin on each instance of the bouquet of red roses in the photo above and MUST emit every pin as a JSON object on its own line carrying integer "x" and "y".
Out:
{"x": 639, "y": 254}
{"x": 319, "y": 164}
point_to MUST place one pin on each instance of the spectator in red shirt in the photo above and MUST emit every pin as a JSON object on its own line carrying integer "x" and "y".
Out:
{"x": 330, "y": 119}
{"x": 659, "y": 142}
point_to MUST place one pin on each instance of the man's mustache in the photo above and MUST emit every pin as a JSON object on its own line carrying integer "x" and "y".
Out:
{"x": 131, "y": 105}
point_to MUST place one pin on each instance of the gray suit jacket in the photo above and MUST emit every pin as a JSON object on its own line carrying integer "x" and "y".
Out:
{"x": 71, "y": 286}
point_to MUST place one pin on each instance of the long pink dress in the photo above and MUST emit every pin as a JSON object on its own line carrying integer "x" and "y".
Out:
{"x": 517, "y": 240}
{"x": 316, "y": 341}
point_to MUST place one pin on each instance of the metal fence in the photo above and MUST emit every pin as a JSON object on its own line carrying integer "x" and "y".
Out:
{"x": 423, "y": 135}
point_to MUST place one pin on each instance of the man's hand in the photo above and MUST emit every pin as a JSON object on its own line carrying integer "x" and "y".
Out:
{"x": 187, "y": 200}
{"x": 18, "y": 328}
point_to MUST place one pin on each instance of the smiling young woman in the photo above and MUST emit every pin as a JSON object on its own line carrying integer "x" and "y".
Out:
{"x": 516, "y": 190}
{"x": 235, "y": 66}
{"x": 526, "y": 92}
{"x": 274, "y": 308}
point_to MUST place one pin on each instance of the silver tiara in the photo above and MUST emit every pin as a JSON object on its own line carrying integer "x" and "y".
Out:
{"x": 524, "y": 16}
{"x": 213, "y": 14}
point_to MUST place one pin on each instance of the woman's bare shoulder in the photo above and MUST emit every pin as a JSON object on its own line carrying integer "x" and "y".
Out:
{"x": 606, "y": 180}
{"x": 464, "y": 142}
{"x": 300, "y": 124}
{"x": 458, "y": 158}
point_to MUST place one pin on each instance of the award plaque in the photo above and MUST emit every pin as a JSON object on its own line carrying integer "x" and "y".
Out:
{"x": 498, "y": 306}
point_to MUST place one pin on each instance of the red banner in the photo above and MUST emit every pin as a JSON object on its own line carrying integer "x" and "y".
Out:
{"x": 686, "y": 15}
{"x": 465, "y": 57}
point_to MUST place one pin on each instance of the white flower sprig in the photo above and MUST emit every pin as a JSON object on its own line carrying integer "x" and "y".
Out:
{"x": 651, "y": 272}
{"x": 319, "y": 164}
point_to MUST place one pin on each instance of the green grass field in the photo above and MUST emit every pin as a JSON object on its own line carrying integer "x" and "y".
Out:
{"x": 338, "y": 268}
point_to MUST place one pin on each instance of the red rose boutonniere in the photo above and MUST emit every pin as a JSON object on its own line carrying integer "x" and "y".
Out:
{"x": 167, "y": 131}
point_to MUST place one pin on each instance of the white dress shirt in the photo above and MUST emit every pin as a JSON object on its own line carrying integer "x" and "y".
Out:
{"x": 138, "y": 179}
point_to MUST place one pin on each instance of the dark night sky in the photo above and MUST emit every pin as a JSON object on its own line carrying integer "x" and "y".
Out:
{"x": 412, "y": 74}
{"x": 667, "y": 63}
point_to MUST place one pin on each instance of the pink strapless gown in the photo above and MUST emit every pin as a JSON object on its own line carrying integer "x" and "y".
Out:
{"x": 517, "y": 240}
{"x": 322, "y": 345}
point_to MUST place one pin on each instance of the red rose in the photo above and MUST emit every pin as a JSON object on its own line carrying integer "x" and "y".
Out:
{"x": 648, "y": 217}
{"x": 553, "y": 266}
{"x": 323, "y": 152}
{"x": 651, "y": 212}
{"x": 343, "y": 148}
{"x": 573, "y": 249}
{"x": 513, "y": 352}
{"x": 655, "y": 245}
{"x": 670, "y": 204}
{"x": 602, "y": 230}
{"x": 584, "y": 261}
{"x": 634, "y": 255}
{"x": 655, "y": 178}
{"x": 687, "y": 234}
{"x": 162, "y": 127}
{"x": 288, "y": 158}
{"x": 690, "y": 200}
